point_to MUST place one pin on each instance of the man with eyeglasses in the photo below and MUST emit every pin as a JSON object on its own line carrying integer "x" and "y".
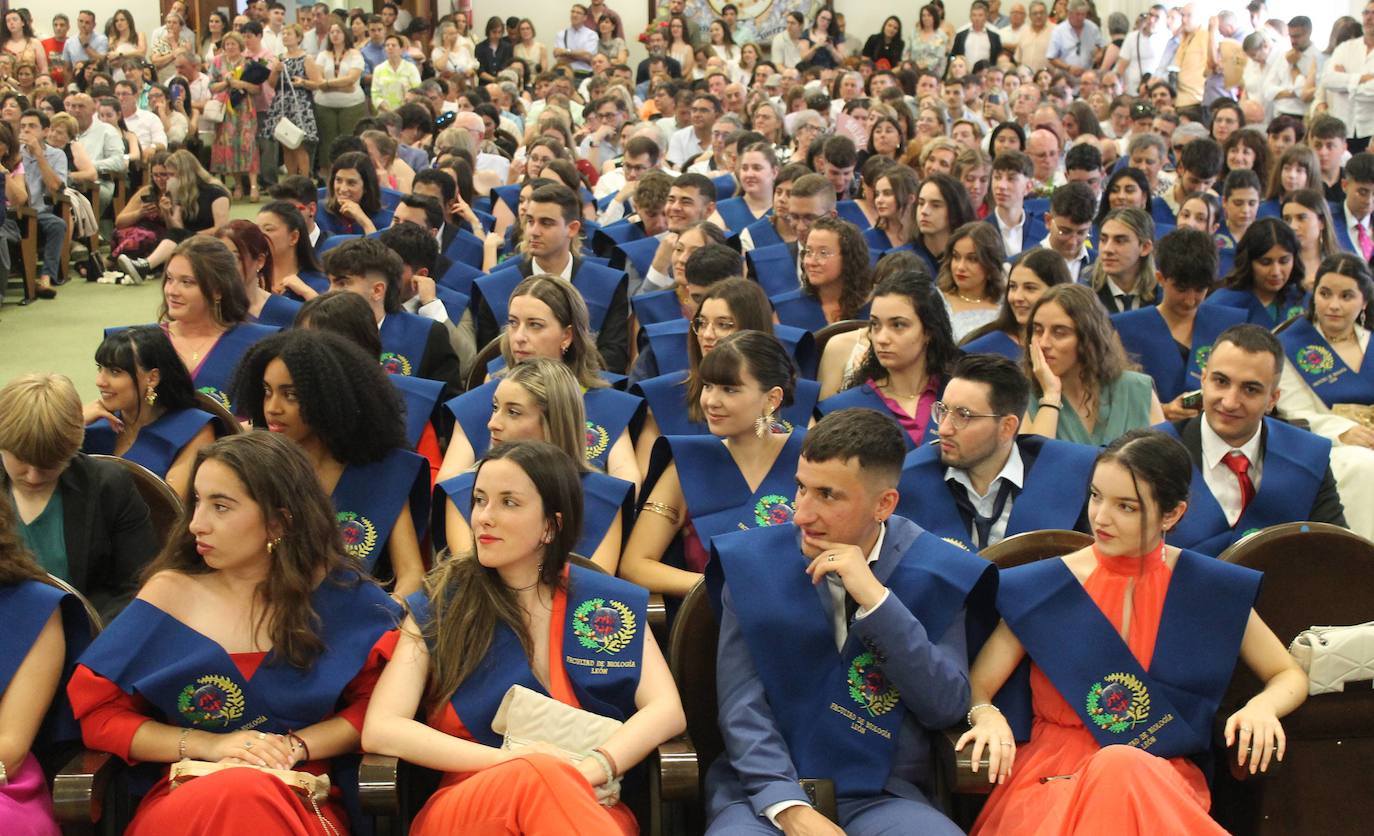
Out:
{"x": 1034, "y": 43}
{"x": 983, "y": 482}
{"x": 777, "y": 267}
{"x": 603, "y": 144}
{"x": 1077, "y": 43}
{"x": 1070, "y": 223}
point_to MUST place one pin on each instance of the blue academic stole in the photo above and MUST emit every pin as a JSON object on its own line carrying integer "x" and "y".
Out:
{"x": 864, "y": 396}
{"x": 609, "y": 413}
{"x": 459, "y": 277}
{"x": 404, "y": 337}
{"x": 279, "y": 311}
{"x": 191, "y": 682}
{"x": 217, "y": 369}
{"x": 666, "y": 396}
{"x": 157, "y": 445}
{"x": 737, "y": 215}
{"x": 1295, "y": 462}
{"x": 838, "y": 713}
{"x": 602, "y": 497}
{"x": 1256, "y": 312}
{"x": 369, "y": 498}
{"x": 603, "y": 651}
{"x": 799, "y": 309}
{"x": 466, "y": 248}
{"x": 509, "y": 195}
{"x": 1053, "y": 497}
{"x": 639, "y": 252}
{"x": 849, "y": 210}
{"x": 455, "y": 302}
{"x": 656, "y": 307}
{"x": 1146, "y": 337}
{"x": 668, "y": 340}
{"x": 471, "y": 411}
{"x": 1168, "y": 710}
{"x": 995, "y": 342}
{"x": 597, "y": 284}
{"x": 763, "y": 233}
{"x": 27, "y": 606}
{"x": 1323, "y": 369}
{"x": 315, "y": 280}
{"x": 775, "y": 268}
{"x": 880, "y": 245}
{"x": 420, "y": 396}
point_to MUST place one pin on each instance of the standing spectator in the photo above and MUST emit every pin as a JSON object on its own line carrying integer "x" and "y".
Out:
{"x": 574, "y": 46}
{"x": 452, "y": 55}
{"x": 527, "y": 49}
{"x": 290, "y": 76}
{"x": 374, "y": 48}
{"x": 235, "y": 151}
{"x": 317, "y": 37}
{"x": 88, "y": 45}
{"x": 1077, "y": 43}
{"x": 18, "y": 40}
{"x": 1346, "y": 70}
{"x": 271, "y": 28}
{"x": 55, "y": 47}
{"x": 167, "y": 45}
{"x": 786, "y": 52}
{"x": 598, "y": 9}
{"x": 1015, "y": 29}
{"x": 608, "y": 44}
{"x": 339, "y": 98}
{"x": 1034, "y": 46}
{"x": 495, "y": 53}
{"x": 393, "y": 77}
{"x": 45, "y": 176}
{"x": 1143, "y": 49}
{"x": 125, "y": 38}
{"x": 979, "y": 42}
{"x": 930, "y": 43}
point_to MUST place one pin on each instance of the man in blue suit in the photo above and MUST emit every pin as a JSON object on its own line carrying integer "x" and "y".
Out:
{"x": 890, "y": 597}
{"x": 1350, "y": 218}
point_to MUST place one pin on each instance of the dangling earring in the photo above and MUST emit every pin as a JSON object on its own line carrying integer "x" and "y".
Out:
{"x": 764, "y": 423}
{"x": 272, "y": 545}
{"x": 218, "y": 316}
{"x": 151, "y": 396}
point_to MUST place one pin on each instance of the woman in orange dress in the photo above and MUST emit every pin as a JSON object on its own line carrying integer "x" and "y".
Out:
{"x": 253, "y": 642}
{"x": 514, "y": 612}
{"x": 1117, "y": 712}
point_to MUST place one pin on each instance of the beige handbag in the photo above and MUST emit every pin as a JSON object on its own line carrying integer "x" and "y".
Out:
{"x": 213, "y": 110}
{"x": 312, "y": 788}
{"x": 1333, "y": 656}
{"x": 526, "y": 717}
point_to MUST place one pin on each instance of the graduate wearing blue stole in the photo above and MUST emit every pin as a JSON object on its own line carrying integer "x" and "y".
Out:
{"x": 762, "y": 233}
{"x": 157, "y": 445}
{"x": 858, "y": 715}
{"x": 657, "y": 306}
{"x": 421, "y": 396}
{"x": 666, "y": 396}
{"x": 737, "y": 214}
{"x": 800, "y": 309}
{"x": 668, "y": 343}
{"x": 278, "y": 311}
{"x": 850, "y": 210}
{"x": 1284, "y": 307}
{"x": 880, "y": 245}
{"x": 216, "y": 368}
{"x": 189, "y": 680}
{"x": 1053, "y": 493}
{"x": 775, "y": 267}
{"x": 1147, "y": 339}
{"x": 995, "y": 342}
{"x": 405, "y": 337}
{"x": 369, "y": 497}
{"x": 866, "y": 395}
{"x": 1323, "y": 370}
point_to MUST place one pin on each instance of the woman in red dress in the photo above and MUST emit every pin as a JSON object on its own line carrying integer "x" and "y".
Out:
{"x": 252, "y": 642}
{"x": 1151, "y": 680}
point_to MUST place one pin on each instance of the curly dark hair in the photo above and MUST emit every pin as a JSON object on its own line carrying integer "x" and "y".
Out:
{"x": 855, "y": 274}
{"x": 344, "y": 395}
{"x": 940, "y": 351}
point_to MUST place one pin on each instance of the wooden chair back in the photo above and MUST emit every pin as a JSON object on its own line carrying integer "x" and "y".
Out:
{"x": 225, "y": 422}
{"x": 164, "y": 506}
{"x": 1030, "y": 546}
{"x": 834, "y": 329}
{"x": 692, "y": 660}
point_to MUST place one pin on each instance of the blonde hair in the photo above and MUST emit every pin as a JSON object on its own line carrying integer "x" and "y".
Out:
{"x": 40, "y": 419}
{"x": 67, "y": 122}
{"x": 190, "y": 176}
{"x": 562, "y": 414}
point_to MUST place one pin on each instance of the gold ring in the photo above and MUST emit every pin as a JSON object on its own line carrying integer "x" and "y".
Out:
{"x": 1004, "y": 744}
{"x": 830, "y": 559}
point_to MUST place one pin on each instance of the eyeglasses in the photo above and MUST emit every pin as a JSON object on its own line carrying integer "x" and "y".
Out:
{"x": 719, "y": 326}
{"x": 820, "y": 253}
{"x": 958, "y": 417}
{"x": 793, "y": 219}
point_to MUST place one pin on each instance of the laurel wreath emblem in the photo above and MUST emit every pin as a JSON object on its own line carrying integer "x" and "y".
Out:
{"x": 773, "y": 509}
{"x": 1116, "y": 716}
{"x": 396, "y": 363}
{"x": 217, "y": 395}
{"x": 597, "y": 440}
{"x": 1315, "y": 359}
{"x": 954, "y": 542}
{"x": 211, "y": 701}
{"x": 603, "y": 626}
{"x": 869, "y": 687}
{"x": 1201, "y": 355}
{"x": 358, "y": 533}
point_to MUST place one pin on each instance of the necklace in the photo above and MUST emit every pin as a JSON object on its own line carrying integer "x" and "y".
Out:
{"x": 975, "y": 301}
{"x": 195, "y": 354}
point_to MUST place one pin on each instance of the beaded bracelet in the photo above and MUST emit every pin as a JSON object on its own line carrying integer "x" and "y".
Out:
{"x": 969, "y": 718}
{"x": 600, "y": 758}
{"x": 181, "y": 744}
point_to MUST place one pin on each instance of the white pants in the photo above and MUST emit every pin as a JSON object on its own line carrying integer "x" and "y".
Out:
{"x": 1353, "y": 468}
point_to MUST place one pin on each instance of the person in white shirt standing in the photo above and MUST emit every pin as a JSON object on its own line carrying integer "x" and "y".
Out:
{"x": 1349, "y": 83}
{"x": 979, "y": 42}
{"x": 1143, "y": 48}
{"x": 575, "y": 45}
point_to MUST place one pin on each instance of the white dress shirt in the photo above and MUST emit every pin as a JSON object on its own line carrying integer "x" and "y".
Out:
{"x": 1142, "y": 54}
{"x": 1352, "y": 228}
{"x": 147, "y": 127}
{"x": 1077, "y": 264}
{"x": 977, "y": 47}
{"x": 683, "y": 146}
{"x": 435, "y": 310}
{"x": 1347, "y": 99}
{"x": 565, "y": 273}
{"x": 1014, "y": 471}
{"x": 1220, "y": 479}
{"x": 1012, "y": 234}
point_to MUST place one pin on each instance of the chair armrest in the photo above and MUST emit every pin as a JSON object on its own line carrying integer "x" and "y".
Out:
{"x": 378, "y": 785}
{"x": 963, "y": 780}
{"x": 78, "y": 790}
{"x": 658, "y": 619}
{"x": 679, "y": 772}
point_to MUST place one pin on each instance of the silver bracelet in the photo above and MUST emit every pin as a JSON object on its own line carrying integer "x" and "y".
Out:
{"x": 181, "y": 743}
{"x": 969, "y": 718}
{"x": 605, "y": 765}
{"x": 4, "y": 775}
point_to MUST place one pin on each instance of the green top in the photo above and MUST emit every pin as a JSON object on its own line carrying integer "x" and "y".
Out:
{"x": 1123, "y": 405}
{"x": 45, "y": 538}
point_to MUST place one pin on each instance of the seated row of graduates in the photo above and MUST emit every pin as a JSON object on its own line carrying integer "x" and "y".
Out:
{"x": 255, "y": 639}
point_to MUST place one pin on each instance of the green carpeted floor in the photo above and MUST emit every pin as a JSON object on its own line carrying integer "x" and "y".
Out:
{"x": 61, "y": 335}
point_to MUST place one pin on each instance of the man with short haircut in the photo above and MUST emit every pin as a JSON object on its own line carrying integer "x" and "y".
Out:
{"x": 1186, "y": 268}
{"x": 777, "y": 267}
{"x": 145, "y": 124}
{"x": 691, "y": 200}
{"x": 373, "y": 50}
{"x": 1034, "y": 46}
{"x": 984, "y": 482}
{"x": 979, "y": 42}
{"x": 603, "y": 144}
{"x": 552, "y": 220}
{"x": 411, "y": 236}
{"x": 1350, "y": 218}
{"x": 787, "y": 44}
{"x": 658, "y": 48}
{"x": 1346, "y": 77}
{"x": 836, "y": 162}
{"x": 1077, "y": 43}
{"x": 411, "y": 123}
{"x": 45, "y": 176}
{"x": 411, "y": 344}
{"x": 641, "y": 156}
{"x": 1249, "y": 471}
{"x": 1287, "y": 94}
{"x": 1083, "y": 164}
{"x": 1199, "y": 165}
{"x": 688, "y": 142}
{"x": 87, "y": 44}
{"x": 1327, "y": 138}
{"x": 300, "y": 191}
{"x": 1142, "y": 50}
{"x": 317, "y": 36}
{"x": 1011, "y": 173}
{"x": 574, "y": 47}
{"x": 103, "y": 144}
{"x": 55, "y": 46}
{"x": 895, "y": 605}
{"x": 1070, "y": 222}
{"x": 954, "y": 93}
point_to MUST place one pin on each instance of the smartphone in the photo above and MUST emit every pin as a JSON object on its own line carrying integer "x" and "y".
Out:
{"x": 1191, "y": 400}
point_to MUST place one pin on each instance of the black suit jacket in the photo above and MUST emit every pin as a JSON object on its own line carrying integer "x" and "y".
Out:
{"x": 994, "y": 43}
{"x": 613, "y": 340}
{"x": 440, "y": 362}
{"x": 107, "y": 529}
{"x": 1326, "y": 507}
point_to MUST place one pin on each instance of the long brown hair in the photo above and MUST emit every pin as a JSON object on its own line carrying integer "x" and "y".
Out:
{"x": 280, "y": 479}
{"x": 219, "y": 273}
{"x": 569, "y": 310}
{"x": 467, "y": 600}
{"x": 16, "y": 563}
{"x": 1101, "y": 359}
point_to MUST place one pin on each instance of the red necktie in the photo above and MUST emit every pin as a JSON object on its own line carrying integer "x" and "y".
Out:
{"x": 1240, "y": 465}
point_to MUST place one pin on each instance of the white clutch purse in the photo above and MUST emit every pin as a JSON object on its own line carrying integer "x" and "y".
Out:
{"x": 1333, "y": 656}
{"x": 526, "y": 717}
